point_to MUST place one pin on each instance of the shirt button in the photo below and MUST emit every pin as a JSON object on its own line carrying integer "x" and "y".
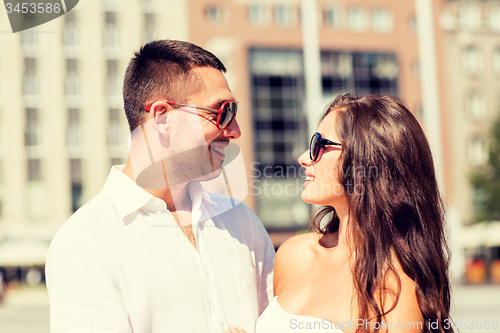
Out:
{"x": 207, "y": 273}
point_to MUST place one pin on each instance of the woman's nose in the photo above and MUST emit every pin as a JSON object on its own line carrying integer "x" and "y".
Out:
{"x": 304, "y": 159}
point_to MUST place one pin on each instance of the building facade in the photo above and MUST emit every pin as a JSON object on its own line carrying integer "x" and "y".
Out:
{"x": 471, "y": 60}
{"x": 61, "y": 108}
{"x": 365, "y": 47}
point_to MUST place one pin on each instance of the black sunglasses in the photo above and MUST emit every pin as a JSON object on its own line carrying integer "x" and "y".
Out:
{"x": 316, "y": 143}
{"x": 225, "y": 114}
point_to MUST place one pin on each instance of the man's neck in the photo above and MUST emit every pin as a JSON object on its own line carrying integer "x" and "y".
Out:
{"x": 176, "y": 197}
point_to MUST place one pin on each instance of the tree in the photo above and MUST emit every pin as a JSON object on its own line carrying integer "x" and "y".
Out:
{"x": 486, "y": 180}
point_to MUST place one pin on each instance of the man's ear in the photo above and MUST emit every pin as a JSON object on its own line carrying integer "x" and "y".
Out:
{"x": 159, "y": 111}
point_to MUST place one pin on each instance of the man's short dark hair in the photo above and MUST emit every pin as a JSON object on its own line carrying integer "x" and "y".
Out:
{"x": 162, "y": 70}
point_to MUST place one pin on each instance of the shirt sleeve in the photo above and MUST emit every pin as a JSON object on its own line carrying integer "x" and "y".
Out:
{"x": 83, "y": 296}
{"x": 264, "y": 259}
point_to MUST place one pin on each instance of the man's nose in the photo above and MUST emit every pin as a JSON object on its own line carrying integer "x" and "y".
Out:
{"x": 233, "y": 130}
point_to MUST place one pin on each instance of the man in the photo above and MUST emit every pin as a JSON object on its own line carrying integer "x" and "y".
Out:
{"x": 154, "y": 252}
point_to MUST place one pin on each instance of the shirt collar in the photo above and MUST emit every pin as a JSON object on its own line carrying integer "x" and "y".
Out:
{"x": 200, "y": 200}
{"x": 124, "y": 193}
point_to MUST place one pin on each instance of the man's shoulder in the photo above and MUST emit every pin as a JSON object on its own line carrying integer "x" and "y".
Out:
{"x": 88, "y": 218}
{"x": 100, "y": 206}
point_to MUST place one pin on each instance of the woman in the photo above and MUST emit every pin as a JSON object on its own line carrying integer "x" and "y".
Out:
{"x": 378, "y": 260}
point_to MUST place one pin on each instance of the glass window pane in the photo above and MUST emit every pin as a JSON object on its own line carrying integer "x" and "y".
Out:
{"x": 472, "y": 60}
{"x": 34, "y": 170}
{"x": 213, "y": 13}
{"x": 475, "y": 106}
{"x": 478, "y": 150}
{"x": 382, "y": 20}
{"x": 257, "y": 14}
{"x": 470, "y": 16}
{"x": 494, "y": 18}
{"x": 358, "y": 19}
{"x": 332, "y": 17}
{"x": 282, "y": 15}
{"x": 496, "y": 61}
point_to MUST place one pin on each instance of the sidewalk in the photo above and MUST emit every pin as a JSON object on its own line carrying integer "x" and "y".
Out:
{"x": 25, "y": 310}
{"x": 26, "y": 296}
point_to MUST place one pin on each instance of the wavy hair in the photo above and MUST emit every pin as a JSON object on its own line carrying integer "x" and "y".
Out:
{"x": 399, "y": 213}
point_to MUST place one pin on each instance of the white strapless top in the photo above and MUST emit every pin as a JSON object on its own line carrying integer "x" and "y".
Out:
{"x": 274, "y": 319}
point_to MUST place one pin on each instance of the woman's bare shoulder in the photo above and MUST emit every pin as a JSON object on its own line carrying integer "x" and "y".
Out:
{"x": 293, "y": 257}
{"x": 298, "y": 247}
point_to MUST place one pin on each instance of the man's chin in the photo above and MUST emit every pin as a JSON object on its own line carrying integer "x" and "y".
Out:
{"x": 210, "y": 176}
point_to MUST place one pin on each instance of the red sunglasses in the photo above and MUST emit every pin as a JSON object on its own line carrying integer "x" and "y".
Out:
{"x": 225, "y": 114}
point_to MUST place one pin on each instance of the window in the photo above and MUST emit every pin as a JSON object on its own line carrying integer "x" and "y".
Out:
{"x": 30, "y": 79}
{"x": 150, "y": 6}
{"x": 358, "y": 19}
{"x": 28, "y": 40}
{"x": 469, "y": 16}
{"x": 420, "y": 112}
{"x": 478, "y": 150}
{"x": 280, "y": 135}
{"x": 113, "y": 81}
{"x": 416, "y": 69}
{"x": 475, "y": 106}
{"x": 359, "y": 73}
{"x": 213, "y": 13}
{"x": 75, "y": 166}
{"x": 74, "y": 133}
{"x": 70, "y": 32}
{"x": 110, "y": 4}
{"x": 116, "y": 138}
{"x": 257, "y": 14}
{"x": 116, "y": 161}
{"x": 332, "y": 17}
{"x": 283, "y": 15}
{"x": 76, "y": 171}
{"x": 34, "y": 170}
{"x": 72, "y": 82}
{"x": 472, "y": 61}
{"x": 110, "y": 33}
{"x": 448, "y": 20}
{"x": 496, "y": 61}
{"x": 494, "y": 18}
{"x": 336, "y": 72}
{"x": 384, "y": 66}
{"x": 382, "y": 20}
{"x": 412, "y": 24}
{"x": 32, "y": 133}
{"x": 149, "y": 27}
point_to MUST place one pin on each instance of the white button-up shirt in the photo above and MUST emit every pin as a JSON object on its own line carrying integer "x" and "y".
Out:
{"x": 122, "y": 264}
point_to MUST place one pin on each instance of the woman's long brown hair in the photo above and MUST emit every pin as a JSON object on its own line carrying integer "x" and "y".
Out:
{"x": 387, "y": 171}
